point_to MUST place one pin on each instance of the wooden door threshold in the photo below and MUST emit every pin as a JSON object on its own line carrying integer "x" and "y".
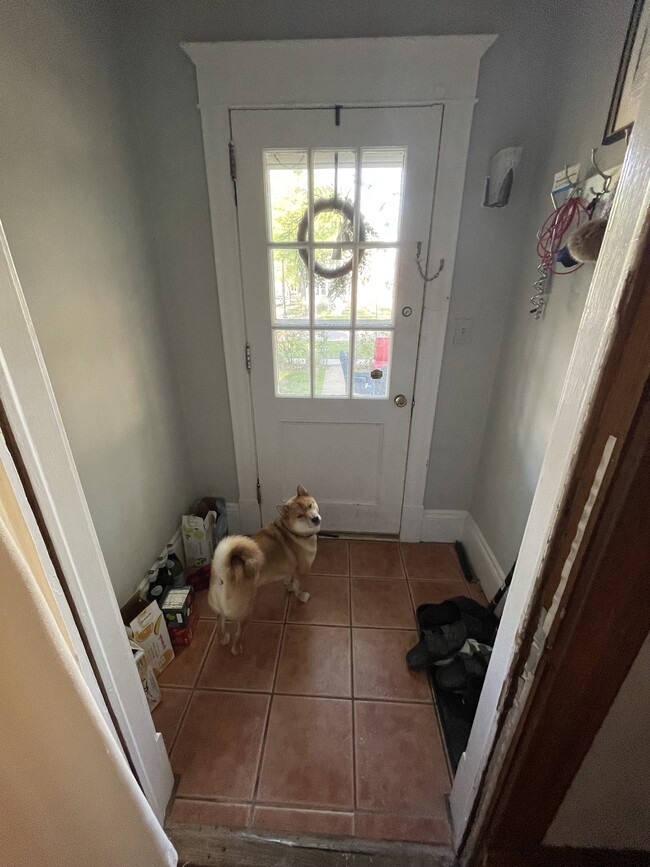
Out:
{"x": 206, "y": 846}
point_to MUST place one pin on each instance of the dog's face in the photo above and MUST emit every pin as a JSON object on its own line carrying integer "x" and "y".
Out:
{"x": 300, "y": 513}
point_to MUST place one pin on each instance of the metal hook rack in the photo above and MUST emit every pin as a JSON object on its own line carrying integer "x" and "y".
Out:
{"x": 418, "y": 261}
{"x": 607, "y": 179}
{"x": 574, "y": 187}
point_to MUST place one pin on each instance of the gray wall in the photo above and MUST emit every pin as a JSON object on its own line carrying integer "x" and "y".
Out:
{"x": 608, "y": 804}
{"x": 535, "y": 354}
{"x": 70, "y": 205}
{"x": 515, "y": 93}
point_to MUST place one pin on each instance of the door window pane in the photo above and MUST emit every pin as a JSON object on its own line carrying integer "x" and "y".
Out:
{"x": 372, "y": 360}
{"x": 331, "y": 363}
{"x": 376, "y": 284}
{"x": 290, "y": 284}
{"x": 347, "y": 263}
{"x": 292, "y": 363}
{"x": 334, "y": 196}
{"x": 287, "y": 175}
{"x": 333, "y": 294}
{"x": 381, "y": 192}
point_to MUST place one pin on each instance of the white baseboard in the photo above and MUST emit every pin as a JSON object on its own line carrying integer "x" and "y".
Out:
{"x": 490, "y": 575}
{"x": 411, "y": 528}
{"x": 234, "y": 518}
{"x": 442, "y": 525}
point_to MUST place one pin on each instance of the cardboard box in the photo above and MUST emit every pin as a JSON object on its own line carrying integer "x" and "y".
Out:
{"x": 177, "y": 606}
{"x": 147, "y": 677}
{"x": 198, "y": 539}
{"x": 149, "y": 631}
{"x": 183, "y": 635}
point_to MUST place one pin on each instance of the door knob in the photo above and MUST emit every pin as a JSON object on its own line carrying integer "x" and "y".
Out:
{"x": 400, "y": 400}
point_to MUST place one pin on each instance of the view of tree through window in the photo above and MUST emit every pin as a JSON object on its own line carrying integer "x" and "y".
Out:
{"x": 333, "y": 281}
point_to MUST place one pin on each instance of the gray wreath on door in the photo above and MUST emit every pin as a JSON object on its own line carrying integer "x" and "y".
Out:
{"x": 341, "y": 206}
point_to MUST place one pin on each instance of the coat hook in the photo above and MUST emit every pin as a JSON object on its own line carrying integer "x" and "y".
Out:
{"x": 418, "y": 260}
{"x": 607, "y": 179}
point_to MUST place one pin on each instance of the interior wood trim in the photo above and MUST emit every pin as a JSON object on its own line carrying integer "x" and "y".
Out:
{"x": 204, "y": 846}
{"x": 590, "y": 649}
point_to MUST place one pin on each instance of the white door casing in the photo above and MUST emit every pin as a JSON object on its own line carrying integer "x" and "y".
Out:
{"x": 402, "y": 71}
{"x": 325, "y": 422}
{"x": 625, "y": 235}
{"x": 28, "y": 400}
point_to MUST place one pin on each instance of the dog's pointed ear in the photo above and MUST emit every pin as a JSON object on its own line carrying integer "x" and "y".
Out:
{"x": 302, "y": 492}
{"x": 283, "y": 509}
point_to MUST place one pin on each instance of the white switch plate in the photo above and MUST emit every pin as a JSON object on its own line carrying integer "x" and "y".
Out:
{"x": 462, "y": 331}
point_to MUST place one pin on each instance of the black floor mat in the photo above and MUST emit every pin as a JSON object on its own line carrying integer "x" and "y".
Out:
{"x": 455, "y": 719}
{"x": 456, "y": 724}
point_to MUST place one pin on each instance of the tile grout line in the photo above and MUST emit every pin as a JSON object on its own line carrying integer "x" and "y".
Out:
{"x": 381, "y": 700}
{"x": 353, "y": 705}
{"x": 181, "y": 720}
{"x": 268, "y": 711}
{"x": 432, "y": 697}
{"x": 310, "y": 808}
{"x": 192, "y": 689}
{"x": 205, "y": 656}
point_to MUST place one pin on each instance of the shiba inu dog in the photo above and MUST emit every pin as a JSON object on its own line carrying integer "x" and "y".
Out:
{"x": 283, "y": 550}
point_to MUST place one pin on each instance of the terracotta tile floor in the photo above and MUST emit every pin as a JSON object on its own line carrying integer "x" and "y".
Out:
{"x": 318, "y": 727}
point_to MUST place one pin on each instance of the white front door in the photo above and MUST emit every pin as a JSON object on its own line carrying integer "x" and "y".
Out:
{"x": 332, "y": 206}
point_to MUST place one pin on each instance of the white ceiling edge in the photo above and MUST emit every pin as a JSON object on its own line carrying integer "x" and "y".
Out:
{"x": 402, "y": 69}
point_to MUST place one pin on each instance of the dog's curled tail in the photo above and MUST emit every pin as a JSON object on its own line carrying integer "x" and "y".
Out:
{"x": 239, "y": 558}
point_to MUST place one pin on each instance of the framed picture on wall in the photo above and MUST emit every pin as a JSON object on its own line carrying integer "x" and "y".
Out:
{"x": 633, "y": 72}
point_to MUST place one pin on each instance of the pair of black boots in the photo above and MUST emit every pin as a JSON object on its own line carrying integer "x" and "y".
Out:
{"x": 456, "y": 639}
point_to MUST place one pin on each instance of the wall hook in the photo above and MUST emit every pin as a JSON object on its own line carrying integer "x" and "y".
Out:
{"x": 418, "y": 261}
{"x": 607, "y": 179}
{"x": 574, "y": 187}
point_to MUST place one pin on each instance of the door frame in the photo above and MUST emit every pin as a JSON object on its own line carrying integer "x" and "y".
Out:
{"x": 425, "y": 70}
{"x": 584, "y": 453}
{"x": 64, "y": 610}
{"x": 36, "y": 428}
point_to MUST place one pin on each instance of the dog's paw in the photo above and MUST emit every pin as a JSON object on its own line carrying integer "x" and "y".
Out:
{"x": 304, "y": 596}
{"x": 226, "y": 639}
{"x": 236, "y": 650}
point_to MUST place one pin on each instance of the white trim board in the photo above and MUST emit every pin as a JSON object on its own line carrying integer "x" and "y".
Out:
{"x": 234, "y": 519}
{"x": 621, "y": 245}
{"x": 7, "y": 462}
{"x": 385, "y": 70}
{"x": 442, "y": 525}
{"x": 371, "y": 72}
{"x": 30, "y": 405}
{"x": 486, "y": 566}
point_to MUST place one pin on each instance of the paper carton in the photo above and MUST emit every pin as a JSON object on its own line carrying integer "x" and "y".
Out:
{"x": 147, "y": 677}
{"x": 149, "y": 630}
{"x": 198, "y": 539}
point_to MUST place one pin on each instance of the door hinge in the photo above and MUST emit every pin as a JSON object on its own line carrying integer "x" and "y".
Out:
{"x": 248, "y": 357}
{"x": 259, "y": 493}
{"x": 233, "y": 167}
